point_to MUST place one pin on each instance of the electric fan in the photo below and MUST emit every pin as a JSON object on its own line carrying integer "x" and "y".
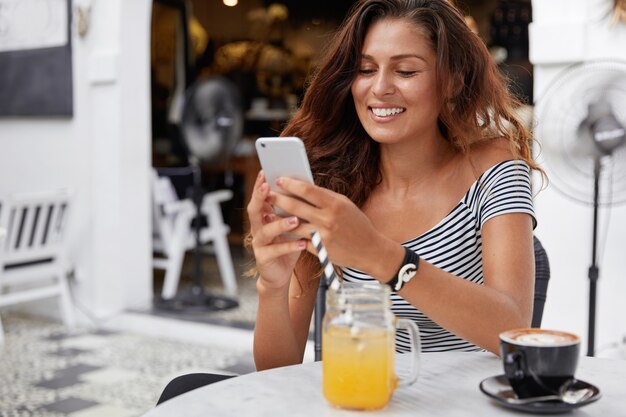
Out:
{"x": 581, "y": 123}
{"x": 212, "y": 120}
{"x": 211, "y": 125}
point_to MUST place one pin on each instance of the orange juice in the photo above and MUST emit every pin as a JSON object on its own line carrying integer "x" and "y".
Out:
{"x": 358, "y": 367}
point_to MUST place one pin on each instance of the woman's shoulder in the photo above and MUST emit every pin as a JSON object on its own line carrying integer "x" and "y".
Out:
{"x": 487, "y": 154}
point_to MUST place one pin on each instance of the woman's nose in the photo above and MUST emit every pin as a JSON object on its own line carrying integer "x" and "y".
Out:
{"x": 382, "y": 84}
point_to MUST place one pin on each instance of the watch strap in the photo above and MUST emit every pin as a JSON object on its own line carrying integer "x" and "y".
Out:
{"x": 407, "y": 270}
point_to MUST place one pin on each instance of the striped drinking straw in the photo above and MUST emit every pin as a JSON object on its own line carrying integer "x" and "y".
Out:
{"x": 322, "y": 254}
{"x": 329, "y": 279}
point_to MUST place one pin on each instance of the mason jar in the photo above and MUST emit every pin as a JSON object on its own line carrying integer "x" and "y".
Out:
{"x": 358, "y": 347}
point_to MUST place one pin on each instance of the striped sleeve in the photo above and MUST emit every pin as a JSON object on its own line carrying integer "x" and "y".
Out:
{"x": 506, "y": 189}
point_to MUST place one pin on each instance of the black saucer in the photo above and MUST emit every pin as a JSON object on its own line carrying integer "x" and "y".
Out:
{"x": 498, "y": 388}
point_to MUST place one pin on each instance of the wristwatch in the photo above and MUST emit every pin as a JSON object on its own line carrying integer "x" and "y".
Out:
{"x": 406, "y": 272}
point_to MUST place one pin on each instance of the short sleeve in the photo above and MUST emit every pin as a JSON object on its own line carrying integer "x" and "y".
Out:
{"x": 506, "y": 189}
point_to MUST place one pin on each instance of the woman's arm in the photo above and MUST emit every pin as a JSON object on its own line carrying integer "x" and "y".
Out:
{"x": 478, "y": 313}
{"x": 282, "y": 325}
{"x": 283, "y": 314}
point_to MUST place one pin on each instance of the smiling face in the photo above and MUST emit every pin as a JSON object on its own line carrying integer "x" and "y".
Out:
{"x": 395, "y": 90}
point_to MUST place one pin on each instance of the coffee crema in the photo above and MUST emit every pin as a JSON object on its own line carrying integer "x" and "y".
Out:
{"x": 539, "y": 337}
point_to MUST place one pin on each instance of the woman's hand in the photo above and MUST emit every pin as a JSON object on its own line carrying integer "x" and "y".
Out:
{"x": 347, "y": 233}
{"x": 275, "y": 254}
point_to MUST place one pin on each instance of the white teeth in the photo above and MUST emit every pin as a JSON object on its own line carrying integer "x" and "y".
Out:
{"x": 387, "y": 112}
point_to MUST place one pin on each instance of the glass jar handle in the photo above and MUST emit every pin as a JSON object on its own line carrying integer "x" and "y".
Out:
{"x": 416, "y": 348}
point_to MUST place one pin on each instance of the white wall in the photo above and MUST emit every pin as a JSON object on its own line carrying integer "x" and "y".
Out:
{"x": 565, "y": 32}
{"x": 102, "y": 153}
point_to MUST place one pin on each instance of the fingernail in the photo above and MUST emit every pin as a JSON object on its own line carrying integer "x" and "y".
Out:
{"x": 302, "y": 244}
{"x": 267, "y": 218}
{"x": 292, "y": 220}
{"x": 279, "y": 181}
{"x": 263, "y": 187}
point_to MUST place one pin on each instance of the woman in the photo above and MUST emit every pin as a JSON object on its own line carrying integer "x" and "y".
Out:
{"x": 418, "y": 160}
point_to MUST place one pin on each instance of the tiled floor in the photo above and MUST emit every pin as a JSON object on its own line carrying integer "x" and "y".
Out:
{"x": 47, "y": 371}
{"x": 119, "y": 368}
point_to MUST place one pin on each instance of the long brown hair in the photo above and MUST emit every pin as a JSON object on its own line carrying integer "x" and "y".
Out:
{"x": 477, "y": 106}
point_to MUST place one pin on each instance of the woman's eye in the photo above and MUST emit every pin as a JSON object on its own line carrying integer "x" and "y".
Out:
{"x": 407, "y": 73}
{"x": 366, "y": 71}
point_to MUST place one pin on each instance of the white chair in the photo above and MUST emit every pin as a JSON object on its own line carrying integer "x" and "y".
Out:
{"x": 33, "y": 260}
{"x": 173, "y": 234}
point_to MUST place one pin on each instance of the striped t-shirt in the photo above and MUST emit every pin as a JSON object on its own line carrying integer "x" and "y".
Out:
{"x": 455, "y": 245}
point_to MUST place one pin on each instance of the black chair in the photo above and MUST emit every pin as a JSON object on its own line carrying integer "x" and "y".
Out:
{"x": 542, "y": 276}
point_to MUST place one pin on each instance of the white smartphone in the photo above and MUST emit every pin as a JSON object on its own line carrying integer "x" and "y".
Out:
{"x": 283, "y": 157}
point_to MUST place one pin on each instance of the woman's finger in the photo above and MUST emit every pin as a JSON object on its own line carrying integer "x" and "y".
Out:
{"x": 267, "y": 253}
{"x": 260, "y": 179}
{"x": 303, "y": 230}
{"x": 295, "y": 206}
{"x": 273, "y": 228}
{"x": 314, "y": 195}
{"x": 257, "y": 205}
{"x": 267, "y": 208}
{"x": 268, "y": 218}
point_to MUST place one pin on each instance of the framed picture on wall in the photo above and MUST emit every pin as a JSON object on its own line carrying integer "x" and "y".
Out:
{"x": 35, "y": 58}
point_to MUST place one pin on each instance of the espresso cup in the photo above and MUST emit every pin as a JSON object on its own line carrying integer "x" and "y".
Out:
{"x": 539, "y": 362}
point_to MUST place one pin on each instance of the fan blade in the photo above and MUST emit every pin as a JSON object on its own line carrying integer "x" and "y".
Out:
{"x": 212, "y": 119}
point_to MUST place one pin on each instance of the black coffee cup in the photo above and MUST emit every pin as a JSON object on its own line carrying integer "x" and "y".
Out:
{"x": 539, "y": 362}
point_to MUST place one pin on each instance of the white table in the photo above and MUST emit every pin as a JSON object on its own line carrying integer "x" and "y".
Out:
{"x": 447, "y": 387}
